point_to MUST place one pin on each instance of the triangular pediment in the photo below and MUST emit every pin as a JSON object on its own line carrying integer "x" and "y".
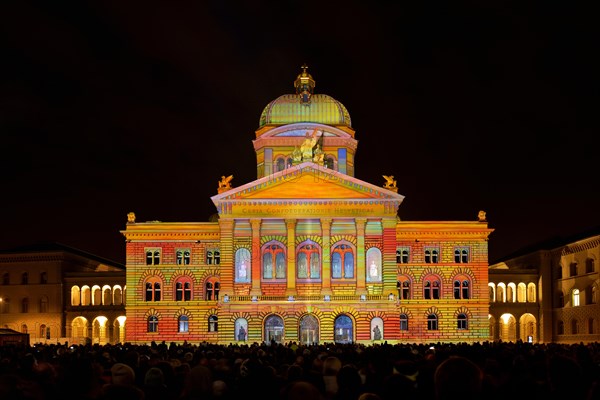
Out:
{"x": 308, "y": 189}
{"x": 308, "y": 181}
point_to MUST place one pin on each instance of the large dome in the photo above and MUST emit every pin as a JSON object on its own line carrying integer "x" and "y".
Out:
{"x": 289, "y": 109}
{"x": 305, "y": 106}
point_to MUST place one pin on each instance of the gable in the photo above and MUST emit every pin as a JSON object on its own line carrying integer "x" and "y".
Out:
{"x": 308, "y": 181}
{"x": 307, "y": 190}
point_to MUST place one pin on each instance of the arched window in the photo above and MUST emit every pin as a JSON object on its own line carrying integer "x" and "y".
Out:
{"x": 342, "y": 261}
{"x": 273, "y": 261}
{"x": 461, "y": 289}
{"x": 403, "y": 322}
{"x": 209, "y": 257}
{"x": 404, "y": 287}
{"x": 431, "y": 288}
{"x": 217, "y": 257}
{"x": 402, "y": 255}
{"x": 280, "y": 164}
{"x": 373, "y": 265}
{"x": 329, "y": 162}
{"x": 213, "y": 323}
{"x": 183, "y": 289}
{"x": 209, "y": 291}
{"x": 75, "y": 296}
{"x": 308, "y": 261}
{"x": 461, "y": 255}
{"x": 531, "y": 295}
{"x": 573, "y": 269}
{"x": 432, "y": 322}
{"x": 243, "y": 265}
{"x": 560, "y": 327}
{"x": 216, "y": 290}
{"x": 183, "y": 324}
{"x": 575, "y": 297}
{"x": 431, "y": 255}
{"x": 492, "y": 292}
{"x": 589, "y": 266}
{"x": 117, "y": 296}
{"x": 153, "y": 289}
{"x": 462, "y": 323}
{"x": 25, "y": 305}
{"x": 521, "y": 292}
{"x": 44, "y": 304}
{"x": 153, "y": 257}
{"x": 182, "y": 257}
{"x": 152, "y": 324}
{"x": 561, "y": 299}
{"x": 574, "y": 326}
{"x": 107, "y": 295}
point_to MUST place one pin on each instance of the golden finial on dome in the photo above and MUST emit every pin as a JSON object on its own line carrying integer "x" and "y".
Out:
{"x": 305, "y": 85}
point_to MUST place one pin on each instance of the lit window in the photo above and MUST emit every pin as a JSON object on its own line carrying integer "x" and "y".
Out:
{"x": 342, "y": 262}
{"x": 183, "y": 324}
{"x": 432, "y": 322}
{"x": 152, "y": 324}
{"x": 462, "y": 322}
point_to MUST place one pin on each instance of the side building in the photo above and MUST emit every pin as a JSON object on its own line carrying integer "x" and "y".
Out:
{"x": 307, "y": 252}
{"x": 56, "y": 293}
{"x": 548, "y": 292}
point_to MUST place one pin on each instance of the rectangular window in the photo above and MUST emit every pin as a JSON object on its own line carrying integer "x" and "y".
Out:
{"x": 153, "y": 256}
{"x": 432, "y": 255}
{"x": 461, "y": 255}
{"x": 403, "y": 255}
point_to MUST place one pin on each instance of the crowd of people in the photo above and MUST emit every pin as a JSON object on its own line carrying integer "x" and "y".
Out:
{"x": 291, "y": 371}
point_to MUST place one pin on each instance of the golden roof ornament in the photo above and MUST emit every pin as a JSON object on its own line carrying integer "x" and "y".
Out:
{"x": 131, "y": 218}
{"x": 225, "y": 183}
{"x": 305, "y": 85}
{"x": 390, "y": 183}
{"x": 481, "y": 216}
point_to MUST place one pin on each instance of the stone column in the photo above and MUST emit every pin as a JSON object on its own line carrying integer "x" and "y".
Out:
{"x": 389, "y": 269}
{"x": 256, "y": 261}
{"x": 291, "y": 257}
{"x": 226, "y": 266}
{"x": 326, "y": 250}
{"x": 361, "y": 287}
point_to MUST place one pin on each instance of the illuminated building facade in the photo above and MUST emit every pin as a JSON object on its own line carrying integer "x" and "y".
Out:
{"x": 307, "y": 252}
{"x": 56, "y": 293}
{"x": 548, "y": 293}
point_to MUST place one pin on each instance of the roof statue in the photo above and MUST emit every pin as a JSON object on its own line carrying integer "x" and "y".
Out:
{"x": 308, "y": 145}
{"x": 225, "y": 183}
{"x": 481, "y": 216}
{"x": 390, "y": 183}
{"x": 131, "y": 218}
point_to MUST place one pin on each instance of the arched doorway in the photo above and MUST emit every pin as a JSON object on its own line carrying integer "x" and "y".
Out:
{"x": 274, "y": 329}
{"x": 309, "y": 330}
{"x": 528, "y": 328}
{"x": 508, "y": 328}
{"x": 343, "y": 329}
{"x": 79, "y": 330}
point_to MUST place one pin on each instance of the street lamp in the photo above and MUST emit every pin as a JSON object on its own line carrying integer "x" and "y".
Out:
{"x": 1, "y": 311}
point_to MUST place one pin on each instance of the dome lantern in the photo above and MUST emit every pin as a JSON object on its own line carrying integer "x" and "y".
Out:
{"x": 305, "y": 85}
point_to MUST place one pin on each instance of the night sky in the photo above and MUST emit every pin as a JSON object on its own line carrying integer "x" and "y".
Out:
{"x": 116, "y": 106}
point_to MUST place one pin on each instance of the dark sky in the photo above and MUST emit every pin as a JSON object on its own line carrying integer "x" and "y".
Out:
{"x": 116, "y": 106}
